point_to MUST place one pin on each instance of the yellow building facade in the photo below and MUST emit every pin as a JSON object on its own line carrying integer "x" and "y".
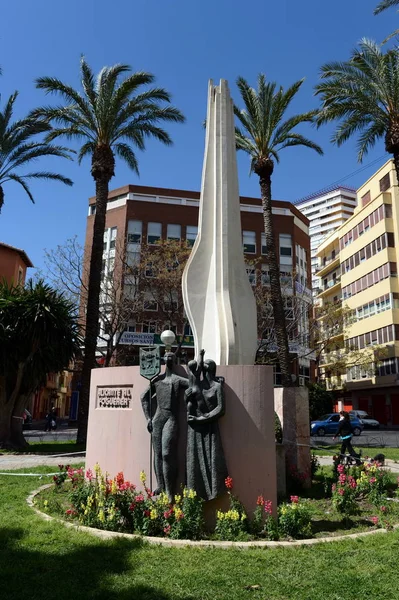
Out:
{"x": 358, "y": 271}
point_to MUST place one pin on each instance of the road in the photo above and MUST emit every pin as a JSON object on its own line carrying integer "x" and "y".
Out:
{"x": 379, "y": 438}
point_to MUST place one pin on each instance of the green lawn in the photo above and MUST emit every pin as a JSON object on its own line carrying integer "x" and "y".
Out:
{"x": 47, "y": 561}
{"x": 390, "y": 453}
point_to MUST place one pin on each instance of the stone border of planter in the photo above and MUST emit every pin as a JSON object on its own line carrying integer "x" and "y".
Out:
{"x": 105, "y": 535}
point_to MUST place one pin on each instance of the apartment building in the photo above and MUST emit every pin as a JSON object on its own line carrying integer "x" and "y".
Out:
{"x": 139, "y": 215}
{"x": 326, "y": 211}
{"x": 14, "y": 263}
{"x": 358, "y": 268}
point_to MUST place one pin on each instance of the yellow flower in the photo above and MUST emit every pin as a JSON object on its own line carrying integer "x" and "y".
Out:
{"x": 163, "y": 499}
{"x": 101, "y": 516}
{"x": 153, "y": 514}
{"x": 114, "y": 487}
{"x": 177, "y": 499}
{"x": 243, "y": 517}
{"x": 220, "y": 515}
{"x": 185, "y": 493}
{"x": 45, "y": 503}
{"x": 143, "y": 477}
{"x": 192, "y": 494}
{"x": 178, "y": 512}
{"x": 97, "y": 469}
{"x": 90, "y": 501}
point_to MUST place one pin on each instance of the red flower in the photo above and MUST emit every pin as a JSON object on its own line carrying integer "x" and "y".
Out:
{"x": 147, "y": 513}
{"x": 228, "y": 483}
{"x": 120, "y": 480}
{"x": 375, "y": 520}
{"x": 139, "y": 498}
{"x": 167, "y": 530}
{"x": 260, "y": 501}
{"x": 294, "y": 499}
{"x": 132, "y": 506}
{"x": 168, "y": 513}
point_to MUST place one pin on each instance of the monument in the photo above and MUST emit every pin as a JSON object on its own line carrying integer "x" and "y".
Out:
{"x": 223, "y": 424}
{"x": 217, "y": 295}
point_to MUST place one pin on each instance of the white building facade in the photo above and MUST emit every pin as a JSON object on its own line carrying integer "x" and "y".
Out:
{"x": 326, "y": 212}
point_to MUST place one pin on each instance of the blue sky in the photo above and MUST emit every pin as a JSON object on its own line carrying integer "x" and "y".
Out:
{"x": 184, "y": 43}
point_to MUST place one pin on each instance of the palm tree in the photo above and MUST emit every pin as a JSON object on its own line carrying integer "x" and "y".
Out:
{"x": 109, "y": 117}
{"x": 17, "y": 149}
{"x": 363, "y": 95}
{"x": 384, "y": 5}
{"x": 263, "y": 135}
{"x": 39, "y": 334}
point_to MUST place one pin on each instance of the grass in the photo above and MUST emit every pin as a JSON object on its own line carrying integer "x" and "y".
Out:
{"x": 52, "y": 447}
{"x": 390, "y": 453}
{"x": 47, "y": 561}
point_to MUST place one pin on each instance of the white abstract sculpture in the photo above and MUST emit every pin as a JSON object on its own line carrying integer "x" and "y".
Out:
{"x": 218, "y": 299}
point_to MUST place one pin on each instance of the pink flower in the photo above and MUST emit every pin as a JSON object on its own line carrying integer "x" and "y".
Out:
{"x": 139, "y": 498}
{"x": 342, "y": 478}
{"x": 372, "y": 480}
{"x": 260, "y": 501}
{"x": 294, "y": 499}
{"x": 268, "y": 505}
{"x": 167, "y": 530}
{"x": 168, "y": 513}
{"x": 334, "y": 487}
{"x": 374, "y": 520}
{"x": 383, "y": 508}
{"x": 341, "y": 492}
{"x": 340, "y": 468}
{"x": 89, "y": 474}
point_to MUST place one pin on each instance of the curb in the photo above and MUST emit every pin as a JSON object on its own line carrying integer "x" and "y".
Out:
{"x": 105, "y": 535}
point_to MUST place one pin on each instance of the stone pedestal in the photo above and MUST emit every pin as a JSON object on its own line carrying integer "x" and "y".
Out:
{"x": 292, "y": 407}
{"x": 118, "y": 439}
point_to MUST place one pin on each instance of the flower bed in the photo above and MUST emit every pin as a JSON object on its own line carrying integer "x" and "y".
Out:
{"x": 354, "y": 499}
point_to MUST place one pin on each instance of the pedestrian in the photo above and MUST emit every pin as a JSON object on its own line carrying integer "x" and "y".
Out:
{"x": 345, "y": 431}
{"x": 51, "y": 417}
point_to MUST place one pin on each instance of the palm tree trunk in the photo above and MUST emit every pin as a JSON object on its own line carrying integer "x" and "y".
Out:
{"x": 396, "y": 163}
{"x": 102, "y": 170}
{"x": 1, "y": 198}
{"x": 275, "y": 286}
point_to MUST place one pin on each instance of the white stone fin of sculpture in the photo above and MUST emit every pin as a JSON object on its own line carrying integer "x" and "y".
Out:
{"x": 218, "y": 298}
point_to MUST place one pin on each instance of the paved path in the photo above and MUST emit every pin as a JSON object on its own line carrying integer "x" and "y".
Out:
{"x": 9, "y": 462}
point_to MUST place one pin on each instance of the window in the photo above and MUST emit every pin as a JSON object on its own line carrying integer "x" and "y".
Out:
{"x": 150, "y": 304}
{"x": 174, "y": 232}
{"x": 187, "y": 329}
{"x": 191, "y": 234}
{"x": 263, "y": 242}
{"x": 134, "y": 231}
{"x": 265, "y": 277}
{"x": 93, "y": 209}
{"x": 112, "y": 241}
{"x": 149, "y": 327}
{"x": 20, "y": 276}
{"x": 251, "y": 275}
{"x": 149, "y": 271}
{"x": 385, "y": 183}
{"x": 285, "y": 245}
{"x": 249, "y": 241}
{"x": 154, "y": 233}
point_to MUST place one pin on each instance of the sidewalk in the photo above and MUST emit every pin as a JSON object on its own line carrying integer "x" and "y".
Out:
{"x": 10, "y": 462}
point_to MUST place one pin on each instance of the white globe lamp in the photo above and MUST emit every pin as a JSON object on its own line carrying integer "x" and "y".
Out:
{"x": 168, "y": 338}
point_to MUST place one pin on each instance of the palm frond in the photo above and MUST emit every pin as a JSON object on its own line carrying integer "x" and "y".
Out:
{"x": 125, "y": 152}
{"x": 20, "y": 180}
{"x": 384, "y": 5}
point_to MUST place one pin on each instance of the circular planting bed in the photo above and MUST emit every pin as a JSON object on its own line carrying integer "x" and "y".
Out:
{"x": 347, "y": 503}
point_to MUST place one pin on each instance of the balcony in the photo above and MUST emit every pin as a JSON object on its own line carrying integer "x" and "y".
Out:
{"x": 331, "y": 286}
{"x": 327, "y": 266}
{"x": 331, "y": 358}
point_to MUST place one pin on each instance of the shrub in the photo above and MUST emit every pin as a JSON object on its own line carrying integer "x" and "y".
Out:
{"x": 233, "y": 523}
{"x": 344, "y": 493}
{"x": 294, "y": 519}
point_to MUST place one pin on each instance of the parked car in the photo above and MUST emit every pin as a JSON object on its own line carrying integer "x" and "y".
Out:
{"x": 328, "y": 424}
{"x": 365, "y": 419}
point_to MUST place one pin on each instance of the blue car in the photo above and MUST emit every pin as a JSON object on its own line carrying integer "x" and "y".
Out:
{"x": 328, "y": 424}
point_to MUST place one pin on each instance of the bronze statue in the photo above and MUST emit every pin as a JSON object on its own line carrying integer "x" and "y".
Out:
{"x": 206, "y": 466}
{"x": 164, "y": 426}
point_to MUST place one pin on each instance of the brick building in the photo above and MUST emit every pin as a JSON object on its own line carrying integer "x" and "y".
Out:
{"x": 13, "y": 264}
{"x": 140, "y": 214}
